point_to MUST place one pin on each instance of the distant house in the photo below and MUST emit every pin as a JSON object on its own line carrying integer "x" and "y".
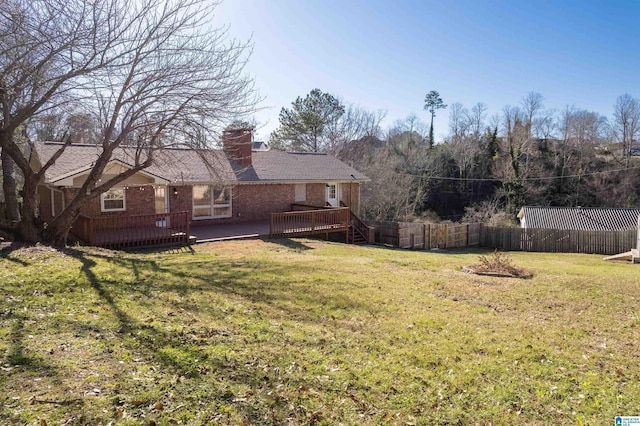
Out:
{"x": 245, "y": 181}
{"x": 579, "y": 218}
{"x": 259, "y": 146}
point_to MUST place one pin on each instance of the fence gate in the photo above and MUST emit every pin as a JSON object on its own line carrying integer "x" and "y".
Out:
{"x": 440, "y": 237}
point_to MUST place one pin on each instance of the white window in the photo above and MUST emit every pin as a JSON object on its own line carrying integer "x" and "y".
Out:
{"x": 331, "y": 191}
{"x": 211, "y": 202}
{"x": 113, "y": 201}
{"x": 301, "y": 192}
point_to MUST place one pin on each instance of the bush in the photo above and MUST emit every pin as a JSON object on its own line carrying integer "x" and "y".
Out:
{"x": 498, "y": 264}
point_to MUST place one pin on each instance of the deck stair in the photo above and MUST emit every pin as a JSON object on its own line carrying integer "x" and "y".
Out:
{"x": 631, "y": 255}
{"x": 306, "y": 220}
{"x": 358, "y": 230}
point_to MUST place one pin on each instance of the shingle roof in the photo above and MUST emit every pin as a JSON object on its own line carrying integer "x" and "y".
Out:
{"x": 188, "y": 165}
{"x": 297, "y": 166}
{"x": 175, "y": 165}
{"x": 580, "y": 218}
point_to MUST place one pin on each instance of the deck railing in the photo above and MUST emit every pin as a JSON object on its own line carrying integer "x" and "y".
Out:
{"x": 309, "y": 222}
{"x": 304, "y": 207}
{"x": 133, "y": 231}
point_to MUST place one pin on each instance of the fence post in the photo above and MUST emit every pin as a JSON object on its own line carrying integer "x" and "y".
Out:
{"x": 446, "y": 235}
{"x": 427, "y": 236}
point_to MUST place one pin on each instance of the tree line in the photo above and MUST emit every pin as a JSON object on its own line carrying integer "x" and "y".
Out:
{"x": 486, "y": 168}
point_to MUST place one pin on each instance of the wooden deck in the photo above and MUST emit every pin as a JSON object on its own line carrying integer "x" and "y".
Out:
{"x": 310, "y": 222}
{"x": 173, "y": 228}
{"x": 134, "y": 231}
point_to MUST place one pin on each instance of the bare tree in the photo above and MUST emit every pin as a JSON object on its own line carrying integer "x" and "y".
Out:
{"x": 457, "y": 121}
{"x": 626, "y": 124}
{"x": 355, "y": 123}
{"x": 407, "y": 133}
{"x": 475, "y": 119}
{"x": 148, "y": 68}
{"x": 532, "y": 105}
{"x": 389, "y": 195}
{"x": 544, "y": 125}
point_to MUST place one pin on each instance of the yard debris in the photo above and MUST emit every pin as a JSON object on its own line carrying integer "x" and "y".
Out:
{"x": 497, "y": 265}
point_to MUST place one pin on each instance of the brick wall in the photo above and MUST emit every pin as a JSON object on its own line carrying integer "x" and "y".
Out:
{"x": 237, "y": 145}
{"x": 249, "y": 202}
{"x": 316, "y": 194}
{"x": 257, "y": 202}
{"x": 138, "y": 200}
{"x": 351, "y": 196}
{"x": 180, "y": 199}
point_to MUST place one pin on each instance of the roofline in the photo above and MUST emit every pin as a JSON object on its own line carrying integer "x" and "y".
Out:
{"x": 71, "y": 173}
{"x": 281, "y": 181}
{"x": 80, "y": 170}
{"x": 263, "y": 182}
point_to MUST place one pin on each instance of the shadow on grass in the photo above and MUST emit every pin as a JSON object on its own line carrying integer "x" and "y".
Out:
{"x": 189, "y": 348}
{"x": 125, "y": 322}
{"x": 445, "y": 251}
{"x": 290, "y": 244}
{"x": 7, "y": 250}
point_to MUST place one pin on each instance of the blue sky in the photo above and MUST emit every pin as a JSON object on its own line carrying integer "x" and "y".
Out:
{"x": 388, "y": 54}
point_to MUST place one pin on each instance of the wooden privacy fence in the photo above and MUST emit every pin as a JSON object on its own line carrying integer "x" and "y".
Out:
{"x": 414, "y": 235}
{"x": 559, "y": 240}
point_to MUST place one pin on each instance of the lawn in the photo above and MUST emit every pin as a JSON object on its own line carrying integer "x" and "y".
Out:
{"x": 308, "y": 332}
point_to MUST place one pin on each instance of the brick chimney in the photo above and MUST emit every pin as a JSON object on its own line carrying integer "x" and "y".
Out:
{"x": 236, "y": 143}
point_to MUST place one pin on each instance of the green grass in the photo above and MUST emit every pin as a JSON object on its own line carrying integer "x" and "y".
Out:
{"x": 306, "y": 332}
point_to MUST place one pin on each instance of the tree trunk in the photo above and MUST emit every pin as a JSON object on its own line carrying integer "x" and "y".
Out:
{"x": 10, "y": 187}
{"x": 29, "y": 226}
{"x": 431, "y": 132}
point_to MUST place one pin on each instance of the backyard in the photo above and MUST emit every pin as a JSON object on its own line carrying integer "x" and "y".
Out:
{"x": 309, "y": 332}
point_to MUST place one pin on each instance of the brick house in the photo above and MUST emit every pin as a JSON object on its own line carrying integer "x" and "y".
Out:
{"x": 243, "y": 182}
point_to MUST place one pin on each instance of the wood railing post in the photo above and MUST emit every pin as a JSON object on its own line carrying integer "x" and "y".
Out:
{"x": 188, "y": 233}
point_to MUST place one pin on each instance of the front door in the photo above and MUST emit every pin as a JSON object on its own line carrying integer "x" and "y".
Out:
{"x": 333, "y": 194}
